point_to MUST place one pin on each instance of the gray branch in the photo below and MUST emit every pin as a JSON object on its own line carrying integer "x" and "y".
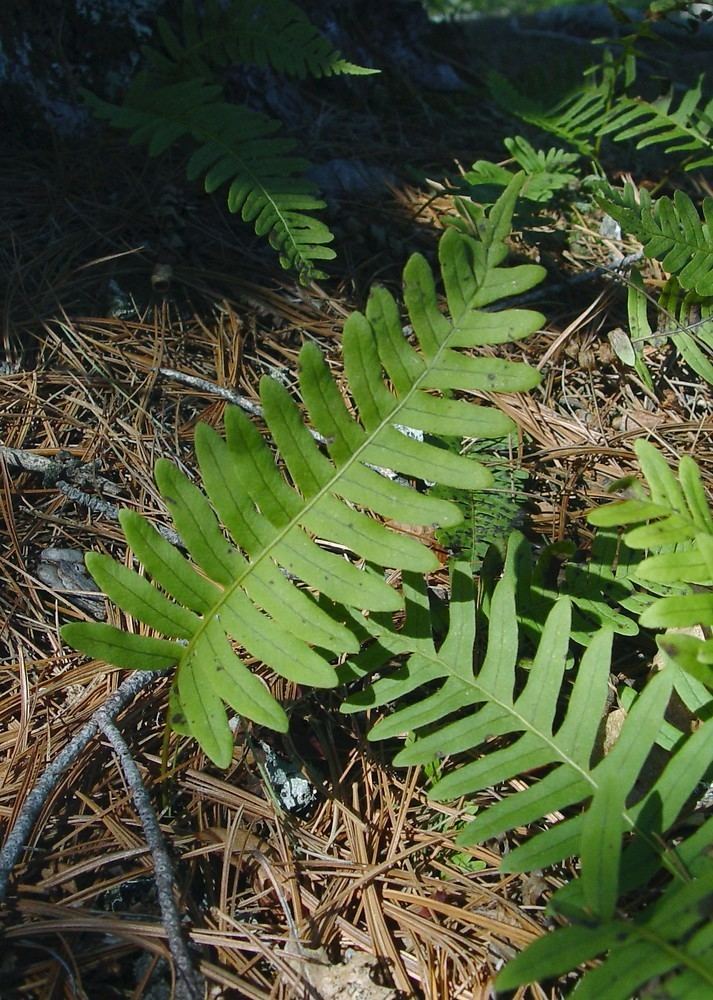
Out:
{"x": 203, "y": 385}
{"x": 20, "y": 833}
{"x": 191, "y": 985}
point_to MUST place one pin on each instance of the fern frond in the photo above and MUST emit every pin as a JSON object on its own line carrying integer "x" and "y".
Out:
{"x": 488, "y": 515}
{"x": 546, "y": 171}
{"x": 595, "y": 590}
{"x": 670, "y": 231}
{"x": 527, "y": 717}
{"x": 669, "y": 939}
{"x": 464, "y": 708}
{"x": 237, "y": 147}
{"x": 277, "y": 34}
{"x": 506, "y": 723}
{"x": 682, "y": 129}
{"x": 576, "y": 119}
{"x": 236, "y": 590}
{"x": 679, "y": 537}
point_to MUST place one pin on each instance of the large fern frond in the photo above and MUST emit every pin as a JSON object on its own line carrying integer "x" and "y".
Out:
{"x": 678, "y": 535}
{"x": 463, "y": 710}
{"x": 686, "y": 128}
{"x": 237, "y": 147}
{"x": 670, "y": 230}
{"x": 277, "y": 34}
{"x": 495, "y": 722}
{"x": 237, "y": 589}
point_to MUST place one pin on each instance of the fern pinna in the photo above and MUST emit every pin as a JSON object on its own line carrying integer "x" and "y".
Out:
{"x": 236, "y": 590}
{"x": 177, "y": 96}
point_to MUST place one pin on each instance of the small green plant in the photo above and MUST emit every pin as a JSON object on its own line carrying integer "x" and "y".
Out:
{"x": 178, "y": 96}
{"x": 546, "y": 173}
{"x": 670, "y": 230}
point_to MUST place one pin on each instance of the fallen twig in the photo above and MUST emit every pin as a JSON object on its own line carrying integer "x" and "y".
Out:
{"x": 203, "y": 385}
{"x": 66, "y": 474}
{"x": 19, "y": 835}
{"x": 243, "y": 402}
{"x": 191, "y": 982}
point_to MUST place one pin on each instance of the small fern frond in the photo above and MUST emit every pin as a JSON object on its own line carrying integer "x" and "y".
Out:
{"x": 670, "y": 230}
{"x": 277, "y": 34}
{"x": 687, "y": 318}
{"x": 237, "y": 590}
{"x": 687, "y": 128}
{"x": 488, "y": 515}
{"x": 595, "y": 589}
{"x": 546, "y": 172}
{"x": 237, "y": 147}
{"x": 678, "y": 534}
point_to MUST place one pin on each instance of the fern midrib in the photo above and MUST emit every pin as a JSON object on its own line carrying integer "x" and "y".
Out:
{"x": 327, "y": 489}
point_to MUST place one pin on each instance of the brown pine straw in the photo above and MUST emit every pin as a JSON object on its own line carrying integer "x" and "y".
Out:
{"x": 374, "y": 867}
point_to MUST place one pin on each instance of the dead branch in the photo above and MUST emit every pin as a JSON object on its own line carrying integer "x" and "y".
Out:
{"x": 191, "y": 983}
{"x": 20, "y": 833}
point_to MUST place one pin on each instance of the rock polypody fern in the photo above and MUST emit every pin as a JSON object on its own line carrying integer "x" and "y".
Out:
{"x": 178, "y": 96}
{"x": 236, "y": 591}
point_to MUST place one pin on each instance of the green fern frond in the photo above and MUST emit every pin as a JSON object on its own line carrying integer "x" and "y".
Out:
{"x": 463, "y": 708}
{"x": 277, "y": 34}
{"x": 595, "y": 589}
{"x": 236, "y": 590}
{"x": 502, "y": 723}
{"x": 687, "y": 128}
{"x": 237, "y": 147}
{"x": 488, "y": 515}
{"x": 687, "y": 318}
{"x": 471, "y": 707}
{"x": 546, "y": 172}
{"x": 670, "y": 230}
{"x": 669, "y": 943}
{"x": 678, "y": 534}
{"x": 576, "y": 119}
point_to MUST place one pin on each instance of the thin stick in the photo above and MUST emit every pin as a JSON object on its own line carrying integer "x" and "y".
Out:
{"x": 191, "y": 982}
{"x": 20, "y": 833}
{"x": 203, "y": 385}
{"x": 64, "y": 475}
